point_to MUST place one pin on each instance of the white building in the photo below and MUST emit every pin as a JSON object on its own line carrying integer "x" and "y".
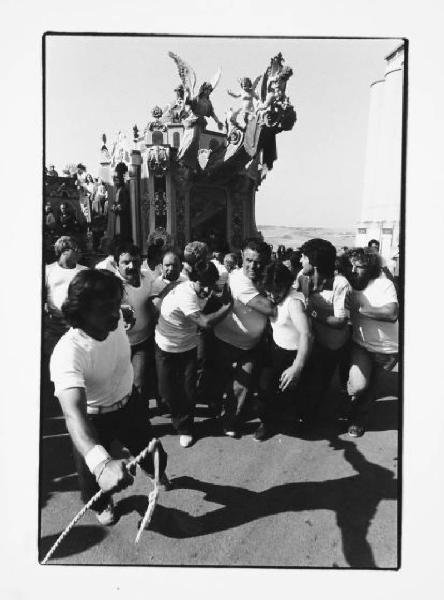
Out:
{"x": 381, "y": 201}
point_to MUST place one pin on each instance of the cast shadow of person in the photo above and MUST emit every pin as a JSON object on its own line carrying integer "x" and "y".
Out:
{"x": 353, "y": 499}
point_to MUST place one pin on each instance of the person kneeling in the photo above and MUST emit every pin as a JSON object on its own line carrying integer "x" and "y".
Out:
{"x": 93, "y": 379}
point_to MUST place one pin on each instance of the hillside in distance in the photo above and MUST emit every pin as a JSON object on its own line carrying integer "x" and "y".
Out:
{"x": 294, "y": 237}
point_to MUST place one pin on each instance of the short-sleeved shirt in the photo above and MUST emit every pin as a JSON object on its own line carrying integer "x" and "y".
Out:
{"x": 375, "y": 335}
{"x": 336, "y": 303}
{"x": 243, "y": 326}
{"x": 103, "y": 368}
{"x": 57, "y": 280}
{"x": 175, "y": 331}
{"x": 139, "y": 300}
{"x": 285, "y": 334}
{"x": 109, "y": 264}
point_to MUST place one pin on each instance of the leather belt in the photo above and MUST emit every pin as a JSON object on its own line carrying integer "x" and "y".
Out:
{"x": 102, "y": 410}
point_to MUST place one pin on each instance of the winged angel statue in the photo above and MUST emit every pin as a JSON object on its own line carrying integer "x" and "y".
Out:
{"x": 197, "y": 107}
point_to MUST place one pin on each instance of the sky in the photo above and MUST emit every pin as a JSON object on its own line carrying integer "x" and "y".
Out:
{"x": 98, "y": 85}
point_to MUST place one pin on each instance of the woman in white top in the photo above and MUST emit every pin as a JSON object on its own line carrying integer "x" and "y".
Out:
{"x": 290, "y": 346}
{"x": 176, "y": 338}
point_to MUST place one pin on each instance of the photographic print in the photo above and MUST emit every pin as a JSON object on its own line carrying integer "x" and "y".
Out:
{"x": 222, "y": 310}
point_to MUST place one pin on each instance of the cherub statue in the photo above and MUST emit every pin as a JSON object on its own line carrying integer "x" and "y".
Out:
{"x": 198, "y": 107}
{"x": 248, "y": 98}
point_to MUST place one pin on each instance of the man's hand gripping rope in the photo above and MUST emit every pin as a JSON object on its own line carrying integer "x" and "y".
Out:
{"x": 152, "y": 448}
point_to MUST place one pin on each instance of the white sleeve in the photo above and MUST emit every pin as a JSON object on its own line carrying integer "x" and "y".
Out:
{"x": 67, "y": 367}
{"x": 387, "y": 293}
{"x": 189, "y": 302}
{"x": 242, "y": 289}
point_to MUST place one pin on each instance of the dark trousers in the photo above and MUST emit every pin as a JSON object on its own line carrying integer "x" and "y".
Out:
{"x": 272, "y": 400}
{"x": 177, "y": 373}
{"x": 144, "y": 367}
{"x": 130, "y": 426}
{"x": 232, "y": 372}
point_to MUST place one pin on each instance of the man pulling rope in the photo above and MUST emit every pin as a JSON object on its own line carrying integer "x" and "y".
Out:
{"x": 93, "y": 378}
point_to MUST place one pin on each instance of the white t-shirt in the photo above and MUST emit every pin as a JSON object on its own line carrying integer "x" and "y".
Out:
{"x": 138, "y": 299}
{"x": 334, "y": 302}
{"x": 108, "y": 264}
{"x": 57, "y": 280}
{"x": 243, "y": 326}
{"x": 285, "y": 334}
{"x": 103, "y": 369}
{"x": 376, "y": 336}
{"x": 175, "y": 331}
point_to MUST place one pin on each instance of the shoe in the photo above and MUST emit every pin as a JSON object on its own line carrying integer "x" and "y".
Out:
{"x": 231, "y": 432}
{"x": 186, "y": 440}
{"x": 356, "y": 431}
{"x": 263, "y": 432}
{"x": 107, "y": 516}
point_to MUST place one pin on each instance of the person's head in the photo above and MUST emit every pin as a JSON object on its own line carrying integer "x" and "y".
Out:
{"x": 171, "y": 265}
{"x": 48, "y": 208}
{"x": 318, "y": 255}
{"x": 67, "y": 252}
{"x": 245, "y": 83}
{"x": 343, "y": 265}
{"x": 276, "y": 281}
{"x": 89, "y": 178}
{"x": 230, "y": 261}
{"x": 64, "y": 208}
{"x": 219, "y": 256}
{"x": 366, "y": 266}
{"x": 255, "y": 256}
{"x": 153, "y": 255}
{"x": 93, "y": 302}
{"x": 128, "y": 260}
{"x": 295, "y": 262}
{"x": 204, "y": 277}
{"x": 195, "y": 252}
{"x": 374, "y": 244}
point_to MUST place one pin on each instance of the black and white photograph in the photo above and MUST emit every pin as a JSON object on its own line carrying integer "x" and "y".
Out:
{"x": 222, "y": 245}
{"x": 221, "y": 370}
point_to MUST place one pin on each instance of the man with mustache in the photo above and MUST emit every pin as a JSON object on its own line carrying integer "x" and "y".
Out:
{"x": 374, "y": 315}
{"x": 93, "y": 380}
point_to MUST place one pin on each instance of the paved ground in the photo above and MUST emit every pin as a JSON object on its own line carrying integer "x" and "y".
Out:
{"x": 324, "y": 500}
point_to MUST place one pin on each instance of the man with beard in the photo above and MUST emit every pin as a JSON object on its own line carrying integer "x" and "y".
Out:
{"x": 238, "y": 337}
{"x": 374, "y": 315}
{"x": 93, "y": 379}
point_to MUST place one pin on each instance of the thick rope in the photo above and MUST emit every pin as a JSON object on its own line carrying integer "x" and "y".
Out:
{"x": 152, "y": 498}
{"x": 152, "y": 447}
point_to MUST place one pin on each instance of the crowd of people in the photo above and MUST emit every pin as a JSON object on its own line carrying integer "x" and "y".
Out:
{"x": 222, "y": 329}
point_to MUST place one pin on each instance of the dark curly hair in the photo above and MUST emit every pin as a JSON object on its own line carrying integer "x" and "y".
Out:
{"x": 369, "y": 258}
{"x": 258, "y": 245}
{"x": 89, "y": 285}
{"x": 204, "y": 272}
{"x": 321, "y": 254}
{"x": 276, "y": 279}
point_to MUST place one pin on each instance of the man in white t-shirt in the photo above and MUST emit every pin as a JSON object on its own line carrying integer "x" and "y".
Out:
{"x": 58, "y": 276}
{"x": 93, "y": 379}
{"x": 374, "y": 315}
{"x": 237, "y": 338}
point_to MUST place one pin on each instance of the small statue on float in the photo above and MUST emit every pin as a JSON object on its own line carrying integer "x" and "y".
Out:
{"x": 197, "y": 108}
{"x": 248, "y": 102}
{"x": 119, "y": 214}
